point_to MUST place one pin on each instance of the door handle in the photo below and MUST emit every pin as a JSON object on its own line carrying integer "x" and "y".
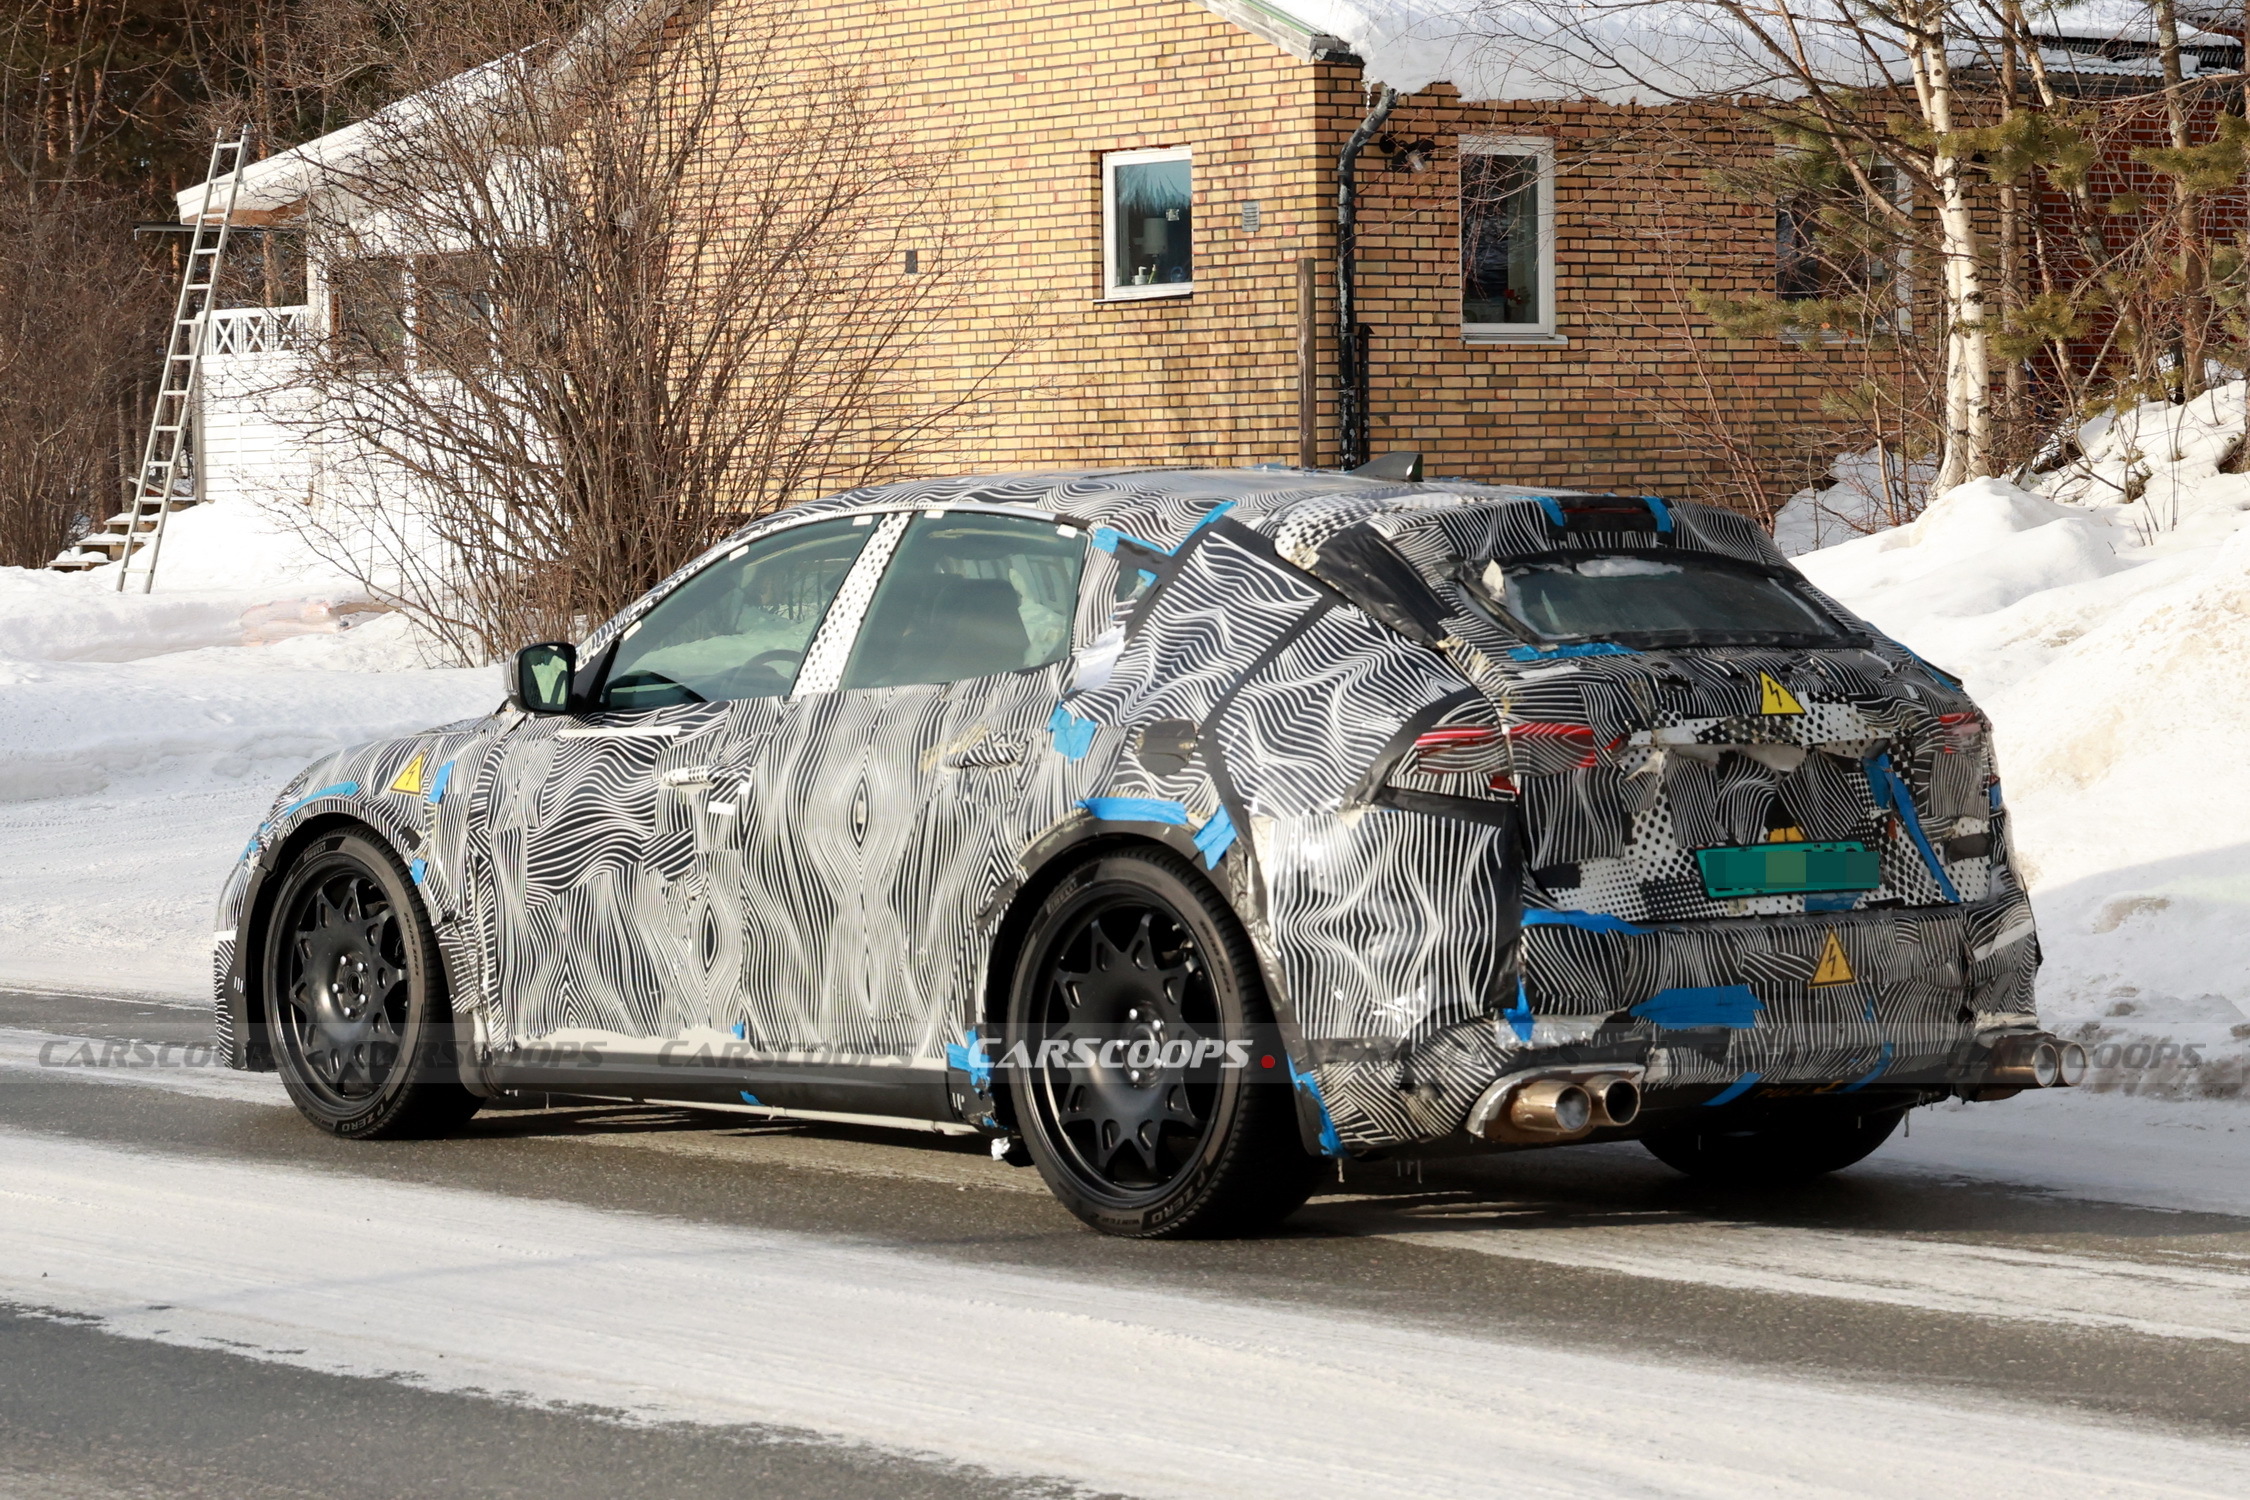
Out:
{"x": 989, "y": 751}
{"x": 684, "y": 776}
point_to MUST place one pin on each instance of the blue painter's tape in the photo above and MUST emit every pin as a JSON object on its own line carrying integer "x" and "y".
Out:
{"x": 968, "y": 1057}
{"x": 1136, "y": 810}
{"x": 1833, "y": 901}
{"x": 1868, "y": 1077}
{"x": 1590, "y": 921}
{"x": 742, "y": 1031}
{"x": 1073, "y": 736}
{"x": 1894, "y": 794}
{"x": 1331, "y": 1144}
{"x": 1519, "y": 1019}
{"x": 1147, "y": 577}
{"x": 418, "y": 869}
{"x": 751, "y": 1099}
{"x": 1992, "y": 796}
{"x": 439, "y": 782}
{"x": 1661, "y": 511}
{"x": 337, "y": 789}
{"x": 1215, "y": 838}
{"x": 1734, "y": 1090}
{"x": 1553, "y": 509}
{"x": 1732, "y": 1006}
{"x": 1558, "y": 653}
{"x": 1209, "y": 516}
{"x": 1107, "y": 538}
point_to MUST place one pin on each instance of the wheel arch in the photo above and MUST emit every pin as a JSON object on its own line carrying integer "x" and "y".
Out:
{"x": 249, "y": 999}
{"x": 1047, "y": 865}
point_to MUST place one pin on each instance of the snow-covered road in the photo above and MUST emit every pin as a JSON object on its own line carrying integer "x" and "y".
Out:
{"x": 934, "y": 1307}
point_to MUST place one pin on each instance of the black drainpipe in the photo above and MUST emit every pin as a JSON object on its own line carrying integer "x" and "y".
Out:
{"x": 1351, "y": 334}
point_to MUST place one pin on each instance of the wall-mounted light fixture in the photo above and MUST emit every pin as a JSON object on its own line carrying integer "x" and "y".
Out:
{"x": 1408, "y": 156}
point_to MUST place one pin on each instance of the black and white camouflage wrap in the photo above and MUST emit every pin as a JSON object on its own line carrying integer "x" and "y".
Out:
{"x": 818, "y": 880}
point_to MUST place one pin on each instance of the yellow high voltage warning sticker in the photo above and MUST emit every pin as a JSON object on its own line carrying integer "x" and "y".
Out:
{"x": 1773, "y": 698}
{"x": 409, "y": 778}
{"x": 1834, "y": 967}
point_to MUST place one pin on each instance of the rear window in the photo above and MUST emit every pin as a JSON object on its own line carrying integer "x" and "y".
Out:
{"x": 1676, "y": 599}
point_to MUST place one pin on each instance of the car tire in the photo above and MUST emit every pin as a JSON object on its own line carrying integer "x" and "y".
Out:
{"x": 1778, "y": 1151}
{"x": 356, "y": 1007}
{"x": 1136, "y": 947}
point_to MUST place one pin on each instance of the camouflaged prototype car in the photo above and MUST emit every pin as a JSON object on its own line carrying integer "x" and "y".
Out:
{"x": 1175, "y": 830}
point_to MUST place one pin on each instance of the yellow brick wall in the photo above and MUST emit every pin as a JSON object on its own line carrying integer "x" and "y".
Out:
{"x": 1032, "y": 93}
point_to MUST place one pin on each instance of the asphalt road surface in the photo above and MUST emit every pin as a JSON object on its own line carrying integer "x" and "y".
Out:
{"x": 200, "y": 1295}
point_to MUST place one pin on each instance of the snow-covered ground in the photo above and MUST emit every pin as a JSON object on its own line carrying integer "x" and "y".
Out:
{"x": 2109, "y": 640}
{"x": 141, "y": 740}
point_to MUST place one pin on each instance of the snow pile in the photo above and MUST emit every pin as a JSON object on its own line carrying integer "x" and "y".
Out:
{"x": 141, "y": 739}
{"x": 2104, "y": 624}
{"x": 1872, "y": 491}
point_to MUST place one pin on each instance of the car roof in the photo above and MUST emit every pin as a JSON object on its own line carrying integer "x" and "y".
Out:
{"x": 1297, "y": 509}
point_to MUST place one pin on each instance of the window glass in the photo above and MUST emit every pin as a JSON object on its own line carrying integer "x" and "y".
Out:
{"x": 1674, "y": 598}
{"x": 1831, "y": 242}
{"x": 739, "y": 628}
{"x": 1503, "y": 261}
{"x": 1151, "y": 216}
{"x": 970, "y": 596}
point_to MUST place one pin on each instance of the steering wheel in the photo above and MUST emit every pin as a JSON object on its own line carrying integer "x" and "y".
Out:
{"x": 779, "y": 655}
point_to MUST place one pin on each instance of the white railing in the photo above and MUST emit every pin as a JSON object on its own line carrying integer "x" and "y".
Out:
{"x": 256, "y": 330}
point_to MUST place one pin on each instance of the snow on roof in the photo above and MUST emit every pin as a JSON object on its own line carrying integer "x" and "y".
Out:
{"x": 1650, "y": 50}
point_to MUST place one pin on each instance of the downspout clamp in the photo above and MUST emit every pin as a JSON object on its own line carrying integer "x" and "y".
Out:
{"x": 1351, "y": 336}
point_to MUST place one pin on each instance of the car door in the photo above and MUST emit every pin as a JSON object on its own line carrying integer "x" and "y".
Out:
{"x": 954, "y": 674}
{"x": 612, "y": 930}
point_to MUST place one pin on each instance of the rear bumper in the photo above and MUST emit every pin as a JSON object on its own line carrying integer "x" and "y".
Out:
{"x": 1891, "y": 1006}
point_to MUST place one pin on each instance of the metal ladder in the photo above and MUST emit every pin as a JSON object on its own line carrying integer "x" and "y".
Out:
{"x": 154, "y": 496}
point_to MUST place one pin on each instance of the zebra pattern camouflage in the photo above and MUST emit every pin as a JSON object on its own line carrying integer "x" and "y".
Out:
{"x": 816, "y": 882}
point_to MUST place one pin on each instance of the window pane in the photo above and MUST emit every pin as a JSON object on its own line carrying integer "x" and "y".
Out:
{"x": 1152, "y": 217}
{"x": 1682, "y": 598}
{"x": 1500, "y": 240}
{"x": 969, "y": 596}
{"x": 739, "y": 628}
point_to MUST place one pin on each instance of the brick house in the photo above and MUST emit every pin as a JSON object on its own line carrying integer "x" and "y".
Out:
{"x": 1157, "y": 188}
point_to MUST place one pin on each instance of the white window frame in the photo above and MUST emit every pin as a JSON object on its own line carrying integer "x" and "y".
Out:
{"x": 1542, "y": 149}
{"x": 1111, "y": 161}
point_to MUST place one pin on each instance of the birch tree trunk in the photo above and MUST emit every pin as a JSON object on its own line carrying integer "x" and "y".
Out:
{"x": 1968, "y": 359}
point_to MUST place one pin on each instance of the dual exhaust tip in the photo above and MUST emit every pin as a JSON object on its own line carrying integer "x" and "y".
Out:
{"x": 1557, "y": 1105}
{"x": 2033, "y": 1060}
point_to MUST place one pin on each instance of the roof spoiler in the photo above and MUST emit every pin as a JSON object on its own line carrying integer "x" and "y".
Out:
{"x": 1406, "y": 468}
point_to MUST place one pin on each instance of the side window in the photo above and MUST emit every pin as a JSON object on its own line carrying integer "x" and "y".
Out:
{"x": 739, "y": 628}
{"x": 970, "y": 596}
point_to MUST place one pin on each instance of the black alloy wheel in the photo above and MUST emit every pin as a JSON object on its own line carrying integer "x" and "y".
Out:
{"x": 1783, "y": 1149}
{"x": 1130, "y": 985}
{"x": 355, "y": 997}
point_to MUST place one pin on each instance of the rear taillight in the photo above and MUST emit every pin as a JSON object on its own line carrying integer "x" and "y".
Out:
{"x": 1496, "y": 754}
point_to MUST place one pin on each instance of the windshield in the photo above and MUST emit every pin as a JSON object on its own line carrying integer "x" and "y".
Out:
{"x": 1678, "y": 598}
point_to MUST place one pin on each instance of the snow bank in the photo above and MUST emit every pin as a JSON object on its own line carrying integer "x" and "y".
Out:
{"x": 2109, "y": 639}
{"x": 141, "y": 740}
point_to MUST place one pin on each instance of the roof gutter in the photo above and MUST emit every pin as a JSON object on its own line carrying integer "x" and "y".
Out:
{"x": 1351, "y": 334}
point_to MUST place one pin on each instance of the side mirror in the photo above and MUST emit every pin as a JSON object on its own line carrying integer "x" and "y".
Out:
{"x": 540, "y": 683}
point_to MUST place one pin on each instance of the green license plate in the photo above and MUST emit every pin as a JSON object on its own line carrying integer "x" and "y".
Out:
{"x": 1788, "y": 869}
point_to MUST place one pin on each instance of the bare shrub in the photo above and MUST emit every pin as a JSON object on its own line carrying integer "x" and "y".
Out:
{"x": 592, "y": 306}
